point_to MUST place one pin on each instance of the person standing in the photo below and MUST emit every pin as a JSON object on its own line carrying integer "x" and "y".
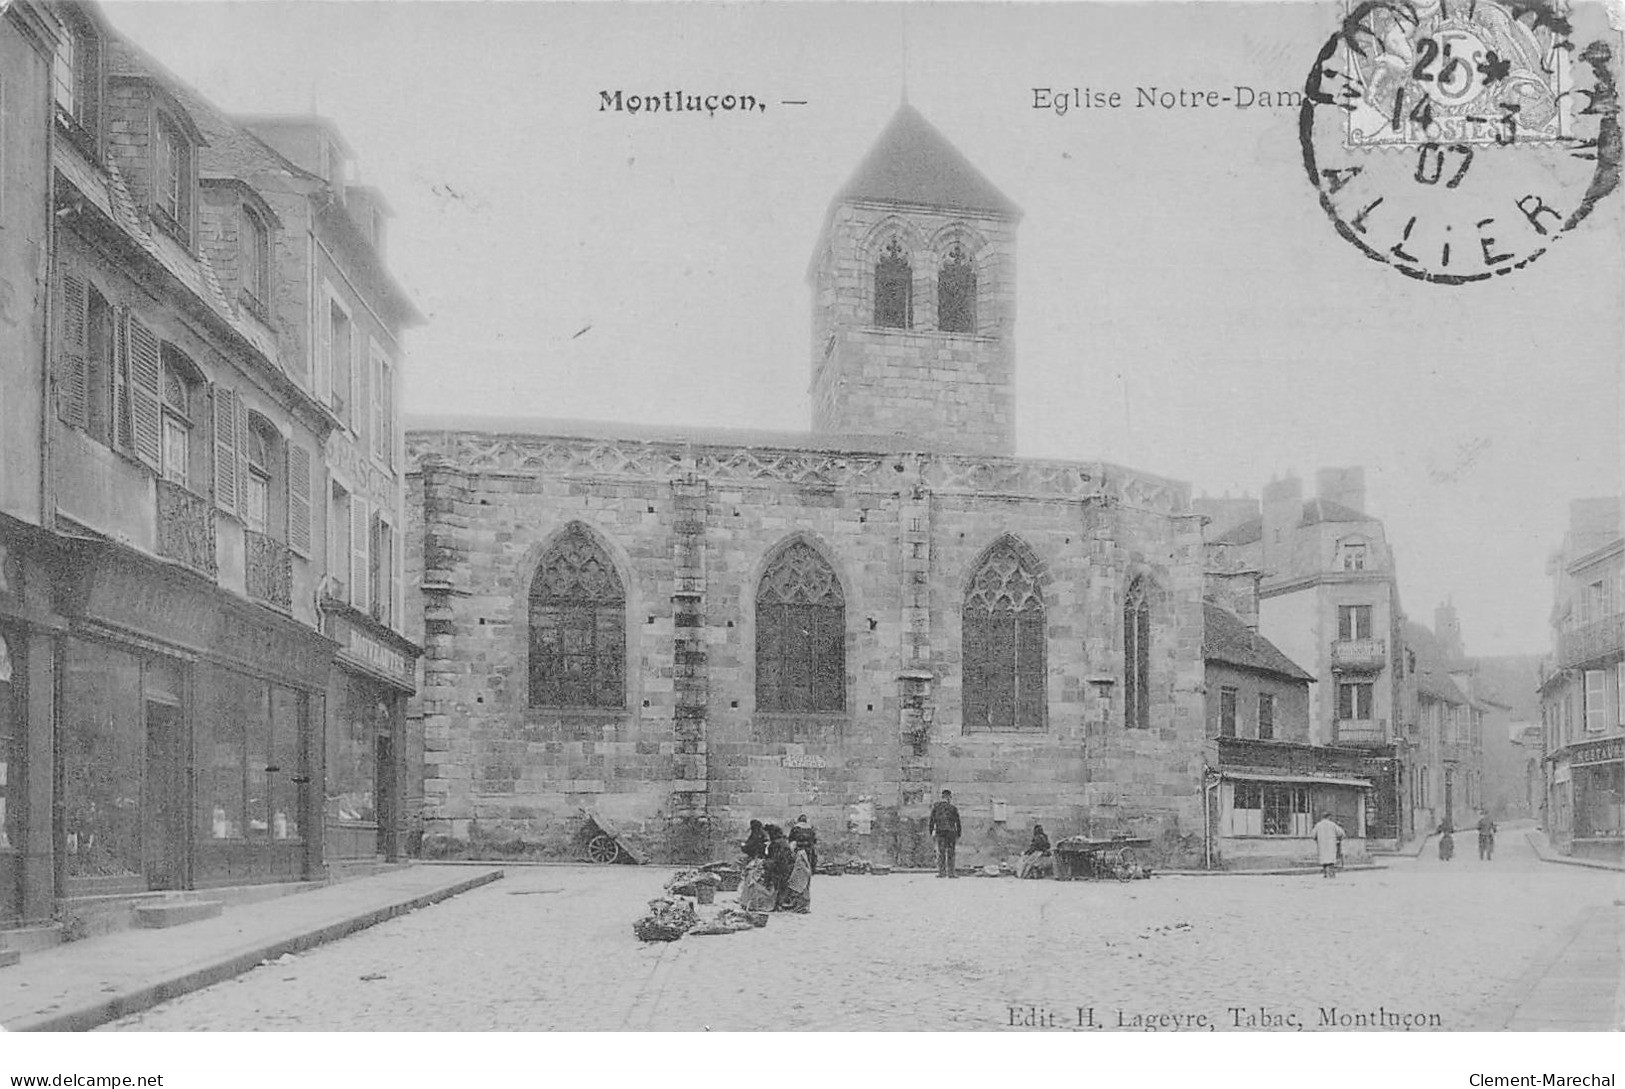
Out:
{"x": 1486, "y": 838}
{"x": 802, "y": 835}
{"x": 1328, "y": 843}
{"x": 944, "y": 828}
{"x": 780, "y": 862}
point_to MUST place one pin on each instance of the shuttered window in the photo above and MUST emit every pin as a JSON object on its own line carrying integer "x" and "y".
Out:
{"x": 360, "y": 569}
{"x": 144, "y": 380}
{"x": 72, "y": 377}
{"x": 1004, "y": 645}
{"x": 298, "y": 499}
{"x": 228, "y": 443}
{"x": 800, "y": 634}
{"x": 577, "y": 626}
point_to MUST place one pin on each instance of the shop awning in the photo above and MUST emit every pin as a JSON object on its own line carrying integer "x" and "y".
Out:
{"x": 1273, "y": 777}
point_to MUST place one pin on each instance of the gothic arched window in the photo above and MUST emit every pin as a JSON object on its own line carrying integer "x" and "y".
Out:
{"x": 956, "y": 292}
{"x": 894, "y": 288}
{"x": 1137, "y": 657}
{"x": 577, "y": 626}
{"x": 800, "y": 634}
{"x": 1004, "y": 644}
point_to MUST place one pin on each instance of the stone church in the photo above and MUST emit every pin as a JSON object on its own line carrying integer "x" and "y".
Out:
{"x": 674, "y": 630}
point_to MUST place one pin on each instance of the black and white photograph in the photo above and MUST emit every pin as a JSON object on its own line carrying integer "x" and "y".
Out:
{"x": 1061, "y": 521}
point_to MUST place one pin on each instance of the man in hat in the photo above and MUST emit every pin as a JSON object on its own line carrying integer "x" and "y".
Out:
{"x": 944, "y": 826}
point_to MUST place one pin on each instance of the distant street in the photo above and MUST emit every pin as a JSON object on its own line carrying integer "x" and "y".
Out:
{"x": 1445, "y": 945}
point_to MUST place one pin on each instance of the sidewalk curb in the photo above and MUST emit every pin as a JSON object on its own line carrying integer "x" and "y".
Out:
{"x": 145, "y": 997}
{"x": 1296, "y": 871}
{"x": 1543, "y": 851}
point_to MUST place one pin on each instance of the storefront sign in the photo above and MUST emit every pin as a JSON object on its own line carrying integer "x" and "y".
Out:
{"x": 1608, "y": 751}
{"x": 362, "y": 648}
{"x": 131, "y": 599}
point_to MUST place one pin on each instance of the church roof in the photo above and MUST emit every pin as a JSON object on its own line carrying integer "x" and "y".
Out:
{"x": 1226, "y": 639}
{"x": 913, "y": 163}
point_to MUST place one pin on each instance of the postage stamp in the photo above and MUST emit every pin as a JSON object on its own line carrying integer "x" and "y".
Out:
{"x": 1456, "y": 140}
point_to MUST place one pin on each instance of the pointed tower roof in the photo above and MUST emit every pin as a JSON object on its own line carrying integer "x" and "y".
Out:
{"x": 913, "y": 163}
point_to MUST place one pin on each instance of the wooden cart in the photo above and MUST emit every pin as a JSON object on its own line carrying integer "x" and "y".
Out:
{"x": 604, "y": 843}
{"x": 1080, "y": 857}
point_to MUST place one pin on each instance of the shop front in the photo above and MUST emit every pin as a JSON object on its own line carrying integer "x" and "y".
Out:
{"x": 187, "y": 742}
{"x": 29, "y": 628}
{"x": 1597, "y": 777}
{"x": 373, "y": 676}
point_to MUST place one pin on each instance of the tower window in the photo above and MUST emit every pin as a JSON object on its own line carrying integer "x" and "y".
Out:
{"x": 894, "y": 288}
{"x": 956, "y": 293}
{"x": 1137, "y": 657}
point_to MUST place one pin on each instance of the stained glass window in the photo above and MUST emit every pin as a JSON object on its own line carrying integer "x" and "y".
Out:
{"x": 800, "y": 634}
{"x": 1004, "y": 645}
{"x": 577, "y": 626}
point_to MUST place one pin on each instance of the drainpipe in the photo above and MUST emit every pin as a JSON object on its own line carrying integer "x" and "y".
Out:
{"x": 1209, "y": 781}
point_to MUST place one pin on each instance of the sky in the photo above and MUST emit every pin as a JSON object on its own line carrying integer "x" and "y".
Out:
{"x": 1184, "y": 305}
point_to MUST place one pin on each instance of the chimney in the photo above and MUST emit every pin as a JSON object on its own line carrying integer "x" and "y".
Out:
{"x": 1345, "y": 486}
{"x": 1283, "y": 510}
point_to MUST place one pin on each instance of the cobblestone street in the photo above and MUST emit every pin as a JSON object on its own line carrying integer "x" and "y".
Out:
{"x": 552, "y": 948}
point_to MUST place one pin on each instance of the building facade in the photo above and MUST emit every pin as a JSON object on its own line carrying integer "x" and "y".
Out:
{"x": 1583, "y": 691}
{"x": 676, "y": 631}
{"x": 1329, "y": 600}
{"x": 185, "y": 448}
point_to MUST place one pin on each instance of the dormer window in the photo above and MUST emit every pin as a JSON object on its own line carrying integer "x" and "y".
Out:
{"x": 1354, "y": 556}
{"x": 894, "y": 288}
{"x": 172, "y": 178}
{"x": 256, "y": 243}
{"x": 76, "y": 77}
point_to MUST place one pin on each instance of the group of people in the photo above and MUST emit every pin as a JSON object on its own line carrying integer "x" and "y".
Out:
{"x": 778, "y": 867}
{"x": 1486, "y": 839}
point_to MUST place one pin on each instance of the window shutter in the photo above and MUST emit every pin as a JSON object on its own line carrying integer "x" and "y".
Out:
{"x": 298, "y": 498}
{"x": 228, "y": 450}
{"x": 72, "y": 380}
{"x": 324, "y": 353}
{"x": 121, "y": 383}
{"x": 242, "y": 459}
{"x": 358, "y": 552}
{"x": 145, "y": 391}
{"x": 379, "y": 391}
{"x": 360, "y": 407}
{"x": 389, "y": 414}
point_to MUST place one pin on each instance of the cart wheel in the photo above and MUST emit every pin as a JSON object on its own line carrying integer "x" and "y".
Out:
{"x": 603, "y": 849}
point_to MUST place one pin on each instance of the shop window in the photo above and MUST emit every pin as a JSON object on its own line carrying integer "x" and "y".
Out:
{"x": 1266, "y": 716}
{"x": 894, "y": 288}
{"x": 1269, "y": 809}
{"x": 956, "y": 292}
{"x": 352, "y": 770}
{"x": 230, "y": 712}
{"x": 287, "y": 768}
{"x": 1004, "y": 644}
{"x": 1227, "y": 712}
{"x": 800, "y": 634}
{"x": 11, "y": 704}
{"x": 577, "y": 626}
{"x": 103, "y": 751}
{"x": 1137, "y": 656}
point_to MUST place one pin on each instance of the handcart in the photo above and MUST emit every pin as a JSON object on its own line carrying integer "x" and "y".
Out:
{"x": 1080, "y": 858}
{"x": 604, "y": 844}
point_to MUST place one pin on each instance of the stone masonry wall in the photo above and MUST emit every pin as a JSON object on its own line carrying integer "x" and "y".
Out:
{"x": 904, "y": 535}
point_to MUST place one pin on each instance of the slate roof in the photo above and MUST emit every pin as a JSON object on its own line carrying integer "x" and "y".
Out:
{"x": 1315, "y": 511}
{"x": 1226, "y": 639}
{"x": 1432, "y": 671}
{"x": 913, "y": 163}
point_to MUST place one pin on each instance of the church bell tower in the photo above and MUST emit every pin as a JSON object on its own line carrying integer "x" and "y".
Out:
{"x": 914, "y": 300}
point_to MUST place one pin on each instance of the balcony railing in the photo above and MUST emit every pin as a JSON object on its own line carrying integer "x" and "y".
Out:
{"x": 186, "y": 528}
{"x": 269, "y": 570}
{"x": 1589, "y": 642}
{"x": 1358, "y": 731}
{"x": 1360, "y": 654}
